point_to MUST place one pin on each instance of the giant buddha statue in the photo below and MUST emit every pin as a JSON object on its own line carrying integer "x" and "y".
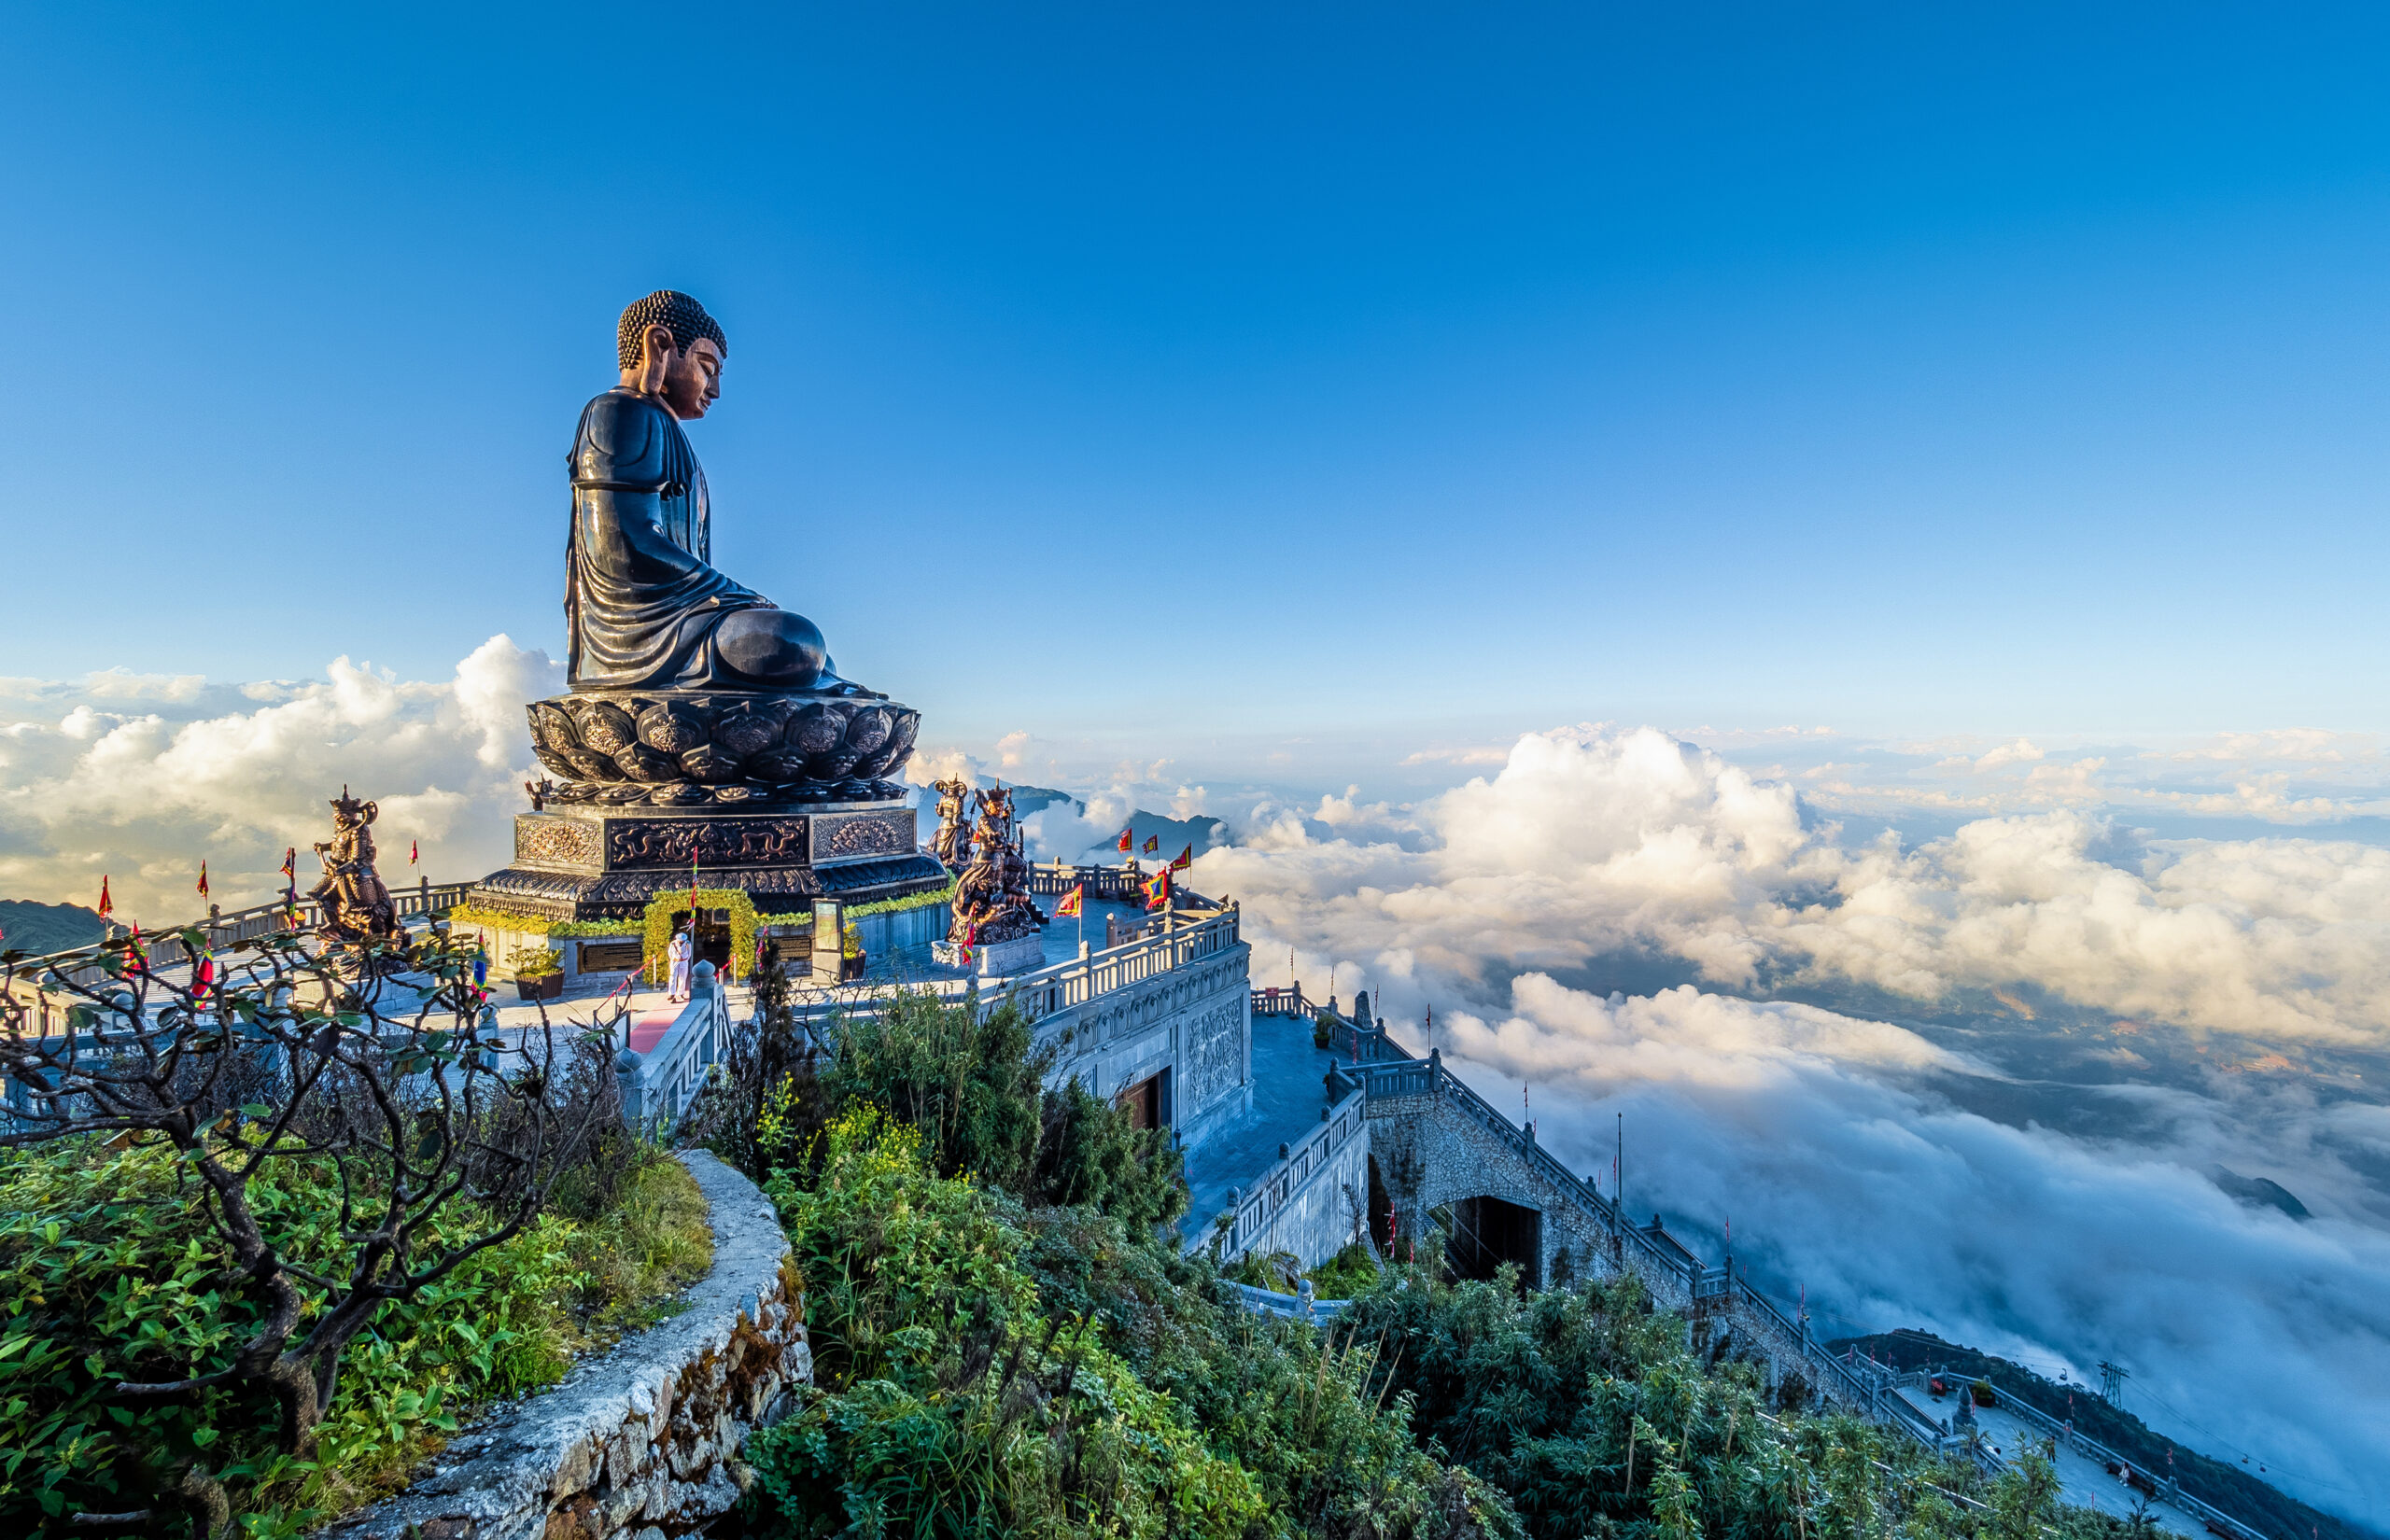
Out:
{"x": 647, "y": 608}
{"x": 688, "y": 688}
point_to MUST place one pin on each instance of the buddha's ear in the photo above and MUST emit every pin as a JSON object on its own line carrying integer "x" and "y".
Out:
{"x": 654, "y": 358}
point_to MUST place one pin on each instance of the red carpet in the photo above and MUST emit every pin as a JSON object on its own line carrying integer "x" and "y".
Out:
{"x": 651, "y": 1024}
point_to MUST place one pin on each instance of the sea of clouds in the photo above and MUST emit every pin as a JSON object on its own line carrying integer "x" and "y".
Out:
{"x": 1945, "y": 1031}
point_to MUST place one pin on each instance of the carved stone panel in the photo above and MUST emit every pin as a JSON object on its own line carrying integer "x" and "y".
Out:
{"x": 1212, "y": 1062}
{"x": 846, "y": 837}
{"x": 634, "y": 845}
{"x": 557, "y": 842}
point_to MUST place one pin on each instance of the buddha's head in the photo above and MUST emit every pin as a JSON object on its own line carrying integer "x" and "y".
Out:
{"x": 670, "y": 348}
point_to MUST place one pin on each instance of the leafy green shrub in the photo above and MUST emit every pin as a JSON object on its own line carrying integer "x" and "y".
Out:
{"x": 535, "y": 962}
{"x": 649, "y": 1237}
{"x": 1586, "y": 1408}
{"x": 942, "y": 1402}
{"x": 1003, "y": 1344}
{"x": 109, "y": 1271}
{"x": 1349, "y": 1273}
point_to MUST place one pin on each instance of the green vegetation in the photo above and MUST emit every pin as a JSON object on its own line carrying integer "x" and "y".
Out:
{"x": 111, "y": 1270}
{"x": 583, "y": 928}
{"x": 665, "y": 910}
{"x": 535, "y": 961}
{"x": 534, "y": 925}
{"x": 878, "y": 906}
{"x": 1006, "y": 1344}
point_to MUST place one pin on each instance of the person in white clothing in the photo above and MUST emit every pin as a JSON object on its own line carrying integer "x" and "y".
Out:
{"x": 678, "y": 957}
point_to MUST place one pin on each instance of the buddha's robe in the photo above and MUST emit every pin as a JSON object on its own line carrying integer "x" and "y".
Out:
{"x": 640, "y": 597}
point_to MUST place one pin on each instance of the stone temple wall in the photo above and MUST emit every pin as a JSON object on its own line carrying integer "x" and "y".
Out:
{"x": 1430, "y": 1153}
{"x": 642, "y": 1441}
{"x": 1194, "y": 1021}
{"x": 1326, "y": 1214}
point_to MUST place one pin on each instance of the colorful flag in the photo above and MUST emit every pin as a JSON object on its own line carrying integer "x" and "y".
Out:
{"x": 135, "y": 960}
{"x": 290, "y": 865}
{"x": 693, "y": 889}
{"x": 107, "y": 906}
{"x": 1072, "y": 902}
{"x": 415, "y": 852}
{"x": 1153, "y": 845}
{"x": 1125, "y": 839}
{"x": 1157, "y": 890}
{"x": 1186, "y": 858}
{"x": 203, "y": 974}
{"x": 202, "y": 880}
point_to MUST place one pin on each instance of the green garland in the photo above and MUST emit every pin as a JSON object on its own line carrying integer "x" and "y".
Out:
{"x": 879, "y": 906}
{"x": 492, "y": 919}
{"x": 665, "y": 908}
{"x": 897, "y": 905}
{"x": 596, "y": 928}
{"x": 534, "y": 925}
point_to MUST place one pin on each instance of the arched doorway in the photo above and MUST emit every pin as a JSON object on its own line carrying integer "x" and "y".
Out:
{"x": 1482, "y": 1233}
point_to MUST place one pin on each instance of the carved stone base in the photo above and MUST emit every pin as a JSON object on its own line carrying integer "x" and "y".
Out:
{"x": 710, "y": 748}
{"x": 584, "y": 862}
{"x": 993, "y": 958}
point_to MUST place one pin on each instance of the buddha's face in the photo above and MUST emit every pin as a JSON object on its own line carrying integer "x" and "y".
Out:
{"x": 693, "y": 379}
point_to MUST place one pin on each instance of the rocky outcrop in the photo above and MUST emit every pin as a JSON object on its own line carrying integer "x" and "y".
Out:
{"x": 642, "y": 1441}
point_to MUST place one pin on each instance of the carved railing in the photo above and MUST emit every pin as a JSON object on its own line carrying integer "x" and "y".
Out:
{"x": 163, "y": 948}
{"x": 2166, "y": 1487}
{"x": 658, "y": 1084}
{"x": 1274, "y": 1001}
{"x": 1301, "y": 1305}
{"x": 1252, "y": 1210}
{"x": 1054, "y": 878}
{"x": 1056, "y": 988}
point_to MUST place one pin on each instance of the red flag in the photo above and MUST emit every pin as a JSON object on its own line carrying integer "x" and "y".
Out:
{"x": 107, "y": 906}
{"x": 202, "y": 880}
{"x": 202, "y": 972}
{"x": 1157, "y": 890}
{"x": 1153, "y": 843}
{"x": 134, "y": 962}
{"x": 1186, "y": 858}
{"x": 1125, "y": 838}
{"x": 415, "y": 852}
{"x": 1071, "y": 903}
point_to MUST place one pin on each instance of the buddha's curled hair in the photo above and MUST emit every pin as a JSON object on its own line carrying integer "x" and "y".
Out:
{"x": 676, "y": 312}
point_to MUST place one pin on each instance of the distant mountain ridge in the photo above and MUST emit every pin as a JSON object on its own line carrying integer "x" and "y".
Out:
{"x": 38, "y": 928}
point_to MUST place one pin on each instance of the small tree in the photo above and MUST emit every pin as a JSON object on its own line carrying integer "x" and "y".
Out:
{"x": 760, "y": 1108}
{"x": 373, "y": 1061}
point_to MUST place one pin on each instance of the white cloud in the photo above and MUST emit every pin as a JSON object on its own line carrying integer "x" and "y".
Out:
{"x": 2300, "y": 745}
{"x": 144, "y": 798}
{"x": 1589, "y": 842}
{"x": 2018, "y": 752}
{"x": 1815, "y": 1135}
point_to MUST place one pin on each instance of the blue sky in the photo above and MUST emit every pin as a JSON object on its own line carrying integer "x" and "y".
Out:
{"x": 1232, "y": 370}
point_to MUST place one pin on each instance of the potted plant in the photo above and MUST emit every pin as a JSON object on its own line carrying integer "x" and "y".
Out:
{"x": 539, "y": 972}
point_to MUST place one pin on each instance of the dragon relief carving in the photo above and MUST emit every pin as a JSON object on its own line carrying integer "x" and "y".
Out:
{"x": 713, "y": 842}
